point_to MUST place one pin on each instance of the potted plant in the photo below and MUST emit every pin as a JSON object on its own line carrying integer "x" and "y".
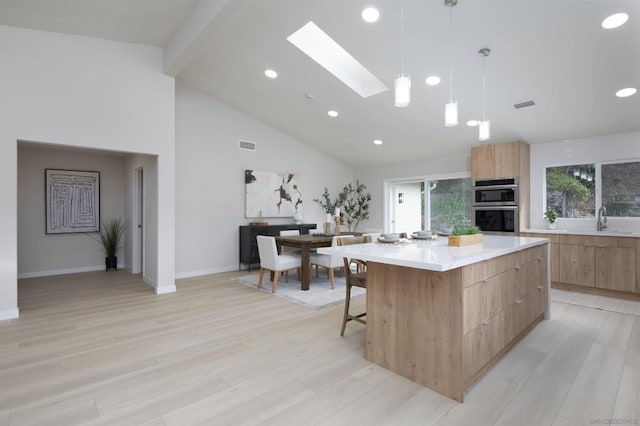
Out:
{"x": 551, "y": 217}
{"x": 111, "y": 237}
{"x": 465, "y": 235}
{"x": 353, "y": 203}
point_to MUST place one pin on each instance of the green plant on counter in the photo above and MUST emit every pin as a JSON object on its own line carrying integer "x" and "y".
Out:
{"x": 550, "y": 215}
{"x": 465, "y": 230}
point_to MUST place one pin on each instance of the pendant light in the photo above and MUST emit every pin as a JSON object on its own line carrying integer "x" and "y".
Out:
{"x": 403, "y": 81}
{"x": 484, "y": 128}
{"x": 451, "y": 109}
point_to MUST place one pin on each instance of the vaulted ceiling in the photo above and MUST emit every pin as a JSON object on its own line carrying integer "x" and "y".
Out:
{"x": 553, "y": 52}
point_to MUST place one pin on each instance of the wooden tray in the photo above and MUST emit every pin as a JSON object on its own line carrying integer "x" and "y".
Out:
{"x": 465, "y": 240}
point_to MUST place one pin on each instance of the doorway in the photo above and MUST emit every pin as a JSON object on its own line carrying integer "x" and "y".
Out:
{"x": 137, "y": 246}
{"x": 406, "y": 206}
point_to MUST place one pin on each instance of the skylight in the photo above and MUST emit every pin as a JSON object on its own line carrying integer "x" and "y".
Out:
{"x": 316, "y": 44}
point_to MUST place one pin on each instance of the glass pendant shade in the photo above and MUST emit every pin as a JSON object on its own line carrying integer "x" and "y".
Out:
{"x": 484, "y": 130}
{"x": 403, "y": 90}
{"x": 451, "y": 114}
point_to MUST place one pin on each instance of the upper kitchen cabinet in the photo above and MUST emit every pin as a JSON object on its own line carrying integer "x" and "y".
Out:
{"x": 509, "y": 159}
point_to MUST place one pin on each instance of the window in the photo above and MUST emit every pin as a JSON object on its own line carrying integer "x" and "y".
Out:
{"x": 436, "y": 204}
{"x": 450, "y": 203}
{"x": 571, "y": 190}
{"x": 621, "y": 189}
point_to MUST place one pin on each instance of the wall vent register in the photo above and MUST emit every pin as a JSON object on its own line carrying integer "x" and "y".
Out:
{"x": 247, "y": 146}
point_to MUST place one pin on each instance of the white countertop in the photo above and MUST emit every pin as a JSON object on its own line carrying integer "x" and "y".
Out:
{"x": 434, "y": 255}
{"x": 583, "y": 232}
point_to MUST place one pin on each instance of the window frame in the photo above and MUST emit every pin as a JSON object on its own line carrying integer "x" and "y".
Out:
{"x": 597, "y": 178}
{"x": 387, "y": 182}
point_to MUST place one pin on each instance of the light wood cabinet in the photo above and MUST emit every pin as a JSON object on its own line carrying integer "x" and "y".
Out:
{"x": 509, "y": 159}
{"x": 508, "y": 296}
{"x": 505, "y": 160}
{"x": 615, "y": 268}
{"x": 637, "y": 290}
{"x": 482, "y": 162}
{"x": 575, "y": 263}
{"x": 594, "y": 263}
{"x": 444, "y": 329}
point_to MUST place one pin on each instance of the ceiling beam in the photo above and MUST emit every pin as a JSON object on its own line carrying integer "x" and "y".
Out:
{"x": 207, "y": 18}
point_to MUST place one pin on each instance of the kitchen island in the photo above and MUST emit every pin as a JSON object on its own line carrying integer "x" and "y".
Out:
{"x": 441, "y": 316}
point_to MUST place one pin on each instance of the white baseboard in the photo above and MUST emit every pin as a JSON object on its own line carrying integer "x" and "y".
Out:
{"x": 202, "y": 272}
{"x": 159, "y": 290}
{"x": 166, "y": 289}
{"x": 36, "y": 274}
{"x": 9, "y": 314}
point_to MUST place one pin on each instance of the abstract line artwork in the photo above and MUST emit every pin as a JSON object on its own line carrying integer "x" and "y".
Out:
{"x": 72, "y": 200}
{"x": 272, "y": 194}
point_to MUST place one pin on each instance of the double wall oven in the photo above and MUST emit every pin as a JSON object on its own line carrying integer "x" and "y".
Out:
{"x": 495, "y": 206}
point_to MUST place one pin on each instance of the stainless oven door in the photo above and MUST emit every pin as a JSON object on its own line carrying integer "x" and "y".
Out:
{"x": 496, "y": 220}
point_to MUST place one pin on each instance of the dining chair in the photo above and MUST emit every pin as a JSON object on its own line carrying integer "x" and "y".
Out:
{"x": 270, "y": 260}
{"x": 357, "y": 278}
{"x": 289, "y": 250}
{"x": 328, "y": 261}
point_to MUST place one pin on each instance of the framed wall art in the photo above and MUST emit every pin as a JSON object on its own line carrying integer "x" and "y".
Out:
{"x": 271, "y": 194}
{"x": 72, "y": 201}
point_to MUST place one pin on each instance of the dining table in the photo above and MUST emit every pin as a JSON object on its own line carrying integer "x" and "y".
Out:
{"x": 305, "y": 243}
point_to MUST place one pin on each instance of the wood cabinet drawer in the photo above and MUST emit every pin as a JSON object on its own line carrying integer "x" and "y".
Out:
{"x": 485, "y": 341}
{"x": 531, "y": 254}
{"x": 487, "y": 298}
{"x": 482, "y": 271}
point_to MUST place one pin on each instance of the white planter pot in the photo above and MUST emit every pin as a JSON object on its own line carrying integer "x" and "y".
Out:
{"x": 551, "y": 225}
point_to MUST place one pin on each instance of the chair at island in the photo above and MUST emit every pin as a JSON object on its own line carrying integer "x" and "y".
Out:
{"x": 270, "y": 260}
{"x": 357, "y": 278}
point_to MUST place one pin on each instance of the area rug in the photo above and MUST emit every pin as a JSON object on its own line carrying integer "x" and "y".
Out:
{"x": 611, "y": 304}
{"x": 320, "y": 295}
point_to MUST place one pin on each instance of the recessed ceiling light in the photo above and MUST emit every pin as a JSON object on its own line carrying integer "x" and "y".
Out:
{"x": 432, "y": 80}
{"x": 614, "y": 21}
{"x": 623, "y": 93}
{"x": 377, "y": 142}
{"x": 270, "y": 73}
{"x": 316, "y": 44}
{"x": 472, "y": 123}
{"x": 370, "y": 14}
{"x": 332, "y": 113}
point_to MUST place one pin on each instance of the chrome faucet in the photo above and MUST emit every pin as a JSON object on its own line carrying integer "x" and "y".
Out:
{"x": 602, "y": 218}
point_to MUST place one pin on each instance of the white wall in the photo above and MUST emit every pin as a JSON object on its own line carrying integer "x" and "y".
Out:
{"x": 83, "y": 92}
{"x": 40, "y": 254}
{"x": 210, "y": 178}
{"x": 375, "y": 176}
{"x": 623, "y": 147}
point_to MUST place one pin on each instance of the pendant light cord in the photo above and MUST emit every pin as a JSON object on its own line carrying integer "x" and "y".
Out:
{"x": 402, "y": 39}
{"x": 484, "y": 62}
{"x": 451, "y": 53}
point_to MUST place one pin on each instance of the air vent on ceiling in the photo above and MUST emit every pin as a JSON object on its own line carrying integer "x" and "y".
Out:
{"x": 524, "y": 104}
{"x": 247, "y": 146}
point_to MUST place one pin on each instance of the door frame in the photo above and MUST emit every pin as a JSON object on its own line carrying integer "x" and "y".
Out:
{"x": 137, "y": 222}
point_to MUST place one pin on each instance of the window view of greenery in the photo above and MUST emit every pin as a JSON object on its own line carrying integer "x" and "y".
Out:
{"x": 571, "y": 190}
{"x": 450, "y": 203}
{"x": 621, "y": 189}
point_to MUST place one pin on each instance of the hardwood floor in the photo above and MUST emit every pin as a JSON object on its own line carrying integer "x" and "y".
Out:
{"x": 101, "y": 348}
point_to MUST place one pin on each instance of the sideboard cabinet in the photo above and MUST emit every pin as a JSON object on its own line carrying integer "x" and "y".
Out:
{"x": 249, "y": 245}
